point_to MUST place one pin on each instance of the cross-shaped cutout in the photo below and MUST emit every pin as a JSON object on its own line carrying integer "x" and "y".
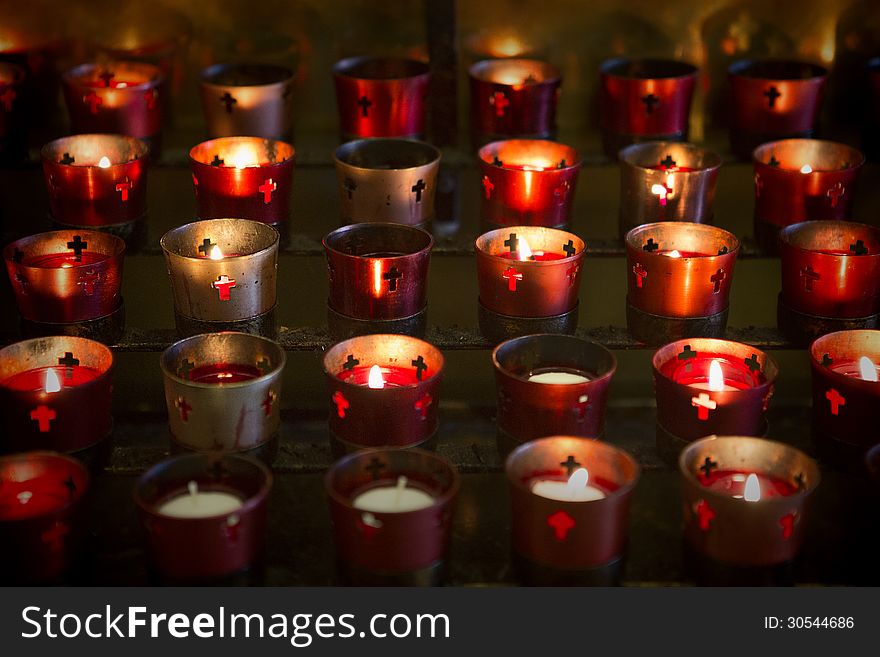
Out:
{"x": 772, "y": 94}
{"x": 7, "y": 97}
{"x": 488, "y": 186}
{"x": 350, "y": 363}
{"x": 809, "y": 277}
{"x": 835, "y": 193}
{"x": 836, "y": 400}
{"x": 341, "y": 403}
{"x": 268, "y": 402}
{"x": 123, "y": 188}
{"x": 224, "y": 286}
{"x": 650, "y": 246}
{"x": 703, "y": 403}
{"x": 500, "y": 102}
{"x": 571, "y": 274}
{"x": 687, "y": 353}
{"x": 511, "y": 275}
{"x": 569, "y": 248}
{"x": 375, "y": 467}
{"x": 752, "y": 363}
{"x": 707, "y": 467}
{"x": 827, "y": 360}
{"x": 106, "y": 77}
{"x": 217, "y": 161}
{"x": 859, "y": 248}
{"x": 70, "y": 485}
{"x": 417, "y": 189}
{"x": 206, "y": 246}
{"x": 717, "y": 278}
{"x": 365, "y": 103}
{"x": 420, "y": 365}
{"x": 723, "y": 250}
{"x": 773, "y": 162}
{"x": 496, "y": 161}
{"x": 67, "y": 158}
{"x": 641, "y": 274}
{"x": 667, "y": 162}
{"x": 184, "y": 368}
{"x": 88, "y": 280}
{"x": 77, "y": 246}
{"x": 94, "y": 101}
{"x": 561, "y": 523}
{"x": 393, "y": 275}
{"x": 650, "y": 102}
{"x": 570, "y": 464}
{"x": 512, "y": 243}
{"x": 705, "y": 514}
{"x": 43, "y": 416}
{"x": 184, "y": 408}
{"x": 69, "y": 363}
{"x": 423, "y": 404}
{"x": 228, "y": 100}
{"x": 562, "y": 164}
{"x": 349, "y": 185}
{"x": 266, "y": 190}
{"x": 17, "y": 255}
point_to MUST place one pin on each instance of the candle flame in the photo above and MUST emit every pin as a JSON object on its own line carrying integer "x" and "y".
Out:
{"x": 243, "y": 157}
{"x": 578, "y": 480}
{"x": 716, "y": 377}
{"x": 806, "y": 169}
{"x": 867, "y": 369}
{"x": 376, "y": 381}
{"x": 506, "y": 46}
{"x": 675, "y": 253}
{"x": 752, "y": 490}
{"x": 53, "y": 383}
{"x": 104, "y": 162}
{"x": 523, "y": 250}
{"x": 216, "y": 253}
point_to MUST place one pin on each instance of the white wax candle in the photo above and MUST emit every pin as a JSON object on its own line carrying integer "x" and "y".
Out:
{"x": 558, "y": 377}
{"x": 195, "y": 504}
{"x": 393, "y": 499}
{"x": 575, "y": 489}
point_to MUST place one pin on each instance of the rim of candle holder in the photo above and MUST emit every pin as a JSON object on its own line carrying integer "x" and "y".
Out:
{"x": 769, "y": 69}
{"x": 172, "y": 241}
{"x": 151, "y": 506}
{"x": 523, "y": 341}
{"x": 336, "y": 357}
{"x": 412, "y": 239}
{"x": 377, "y": 69}
{"x": 812, "y": 236}
{"x": 27, "y": 459}
{"x": 855, "y": 342}
{"x": 826, "y": 157}
{"x": 225, "y": 344}
{"x": 205, "y": 152}
{"x": 636, "y": 156}
{"x": 717, "y": 347}
{"x": 100, "y": 145}
{"x": 647, "y": 68}
{"x": 485, "y": 69}
{"x": 492, "y": 154}
{"x": 34, "y": 353}
{"x": 720, "y": 238}
{"x": 498, "y": 235}
{"x": 244, "y": 75}
{"x": 82, "y": 74}
{"x": 390, "y": 153}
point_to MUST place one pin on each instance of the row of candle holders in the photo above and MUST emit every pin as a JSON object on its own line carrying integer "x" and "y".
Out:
{"x": 391, "y": 501}
{"x": 640, "y": 99}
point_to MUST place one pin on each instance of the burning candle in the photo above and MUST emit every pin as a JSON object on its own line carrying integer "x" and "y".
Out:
{"x": 644, "y": 100}
{"x": 391, "y": 513}
{"x": 384, "y": 390}
{"x": 96, "y": 180}
{"x": 41, "y": 527}
{"x": 570, "y": 504}
{"x": 243, "y": 177}
{"x": 745, "y": 502}
{"x": 708, "y": 386}
{"x": 773, "y": 99}
{"x": 216, "y": 506}
{"x": 252, "y": 100}
{"x": 381, "y": 97}
{"x": 513, "y": 98}
{"x": 498, "y": 43}
{"x": 528, "y": 182}
{"x": 802, "y": 180}
{"x": 55, "y": 393}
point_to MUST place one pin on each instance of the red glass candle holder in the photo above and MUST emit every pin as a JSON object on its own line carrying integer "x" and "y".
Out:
{"x": 802, "y": 180}
{"x": 383, "y": 546}
{"x": 378, "y": 275}
{"x": 97, "y": 181}
{"x": 381, "y": 97}
{"x": 528, "y": 279}
{"x": 513, "y": 98}
{"x": 210, "y": 546}
{"x": 830, "y": 279}
{"x": 223, "y": 393}
{"x": 550, "y": 385}
{"x": 706, "y": 386}
{"x": 678, "y": 281}
{"x": 223, "y": 274}
{"x": 773, "y": 99}
{"x": 742, "y": 530}
{"x": 119, "y": 97}
{"x": 845, "y": 394}
{"x": 387, "y": 180}
{"x": 564, "y": 541}
{"x": 384, "y": 391}
{"x": 13, "y": 142}
{"x": 527, "y": 182}
{"x": 243, "y": 177}
{"x": 644, "y": 100}
{"x": 871, "y": 125}
{"x": 55, "y": 394}
{"x": 251, "y": 100}
{"x": 41, "y": 516}
{"x": 666, "y": 181}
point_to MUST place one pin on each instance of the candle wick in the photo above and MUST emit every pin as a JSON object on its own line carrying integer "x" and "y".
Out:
{"x": 401, "y": 485}
{"x": 193, "y": 489}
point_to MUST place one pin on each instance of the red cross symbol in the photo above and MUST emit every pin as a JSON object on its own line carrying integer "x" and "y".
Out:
{"x": 341, "y": 403}
{"x": 759, "y": 184}
{"x": 716, "y": 278}
{"x": 223, "y": 285}
{"x": 150, "y": 97}
{"x": 562, "y": 523}
{"x": 267, "y": 188}
{"x": 499, "y": 100}
{"x": 641, "y": 274}
{"x": 7, "y": 98}
{"x": 561, "y": 193}
{"x": 53, "y": 537}
{"x": 123, "y": 187}
{"x": 705, "y": 514}
{"x": 488, "y": 186}
{"x": 196, "y": 184}
{"x": 43, "y": 416}
{"x": 93, "y": 100}
{"x": 787, "y": 523}
{"x": 703, "y": 403}
{"x": 809, "y": 276}
{"x": 268, "y": 401}
{"x": 183, "y": 407}
{"x": 837, "y": 400}
{"x": 835, "y": 193}
{"x": 571, "y": 274}
{"x": 88, "y": 281}
{"x": 512, "y": 276}
{"x": 423, "y": 404}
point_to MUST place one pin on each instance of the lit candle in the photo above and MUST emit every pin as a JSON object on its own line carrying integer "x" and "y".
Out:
{"x": 393, "y": 499}
{"x": 748, "y": 486}
{"x": 576, "y": 489}
{"x": 524, "y": 252}
{"x": 806, "y": 169}
{"x": 200, "y": 504}
{"x": 863, "y": 368}
{"x": 378, "y": 377}
{"x": 715, "y": 381}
